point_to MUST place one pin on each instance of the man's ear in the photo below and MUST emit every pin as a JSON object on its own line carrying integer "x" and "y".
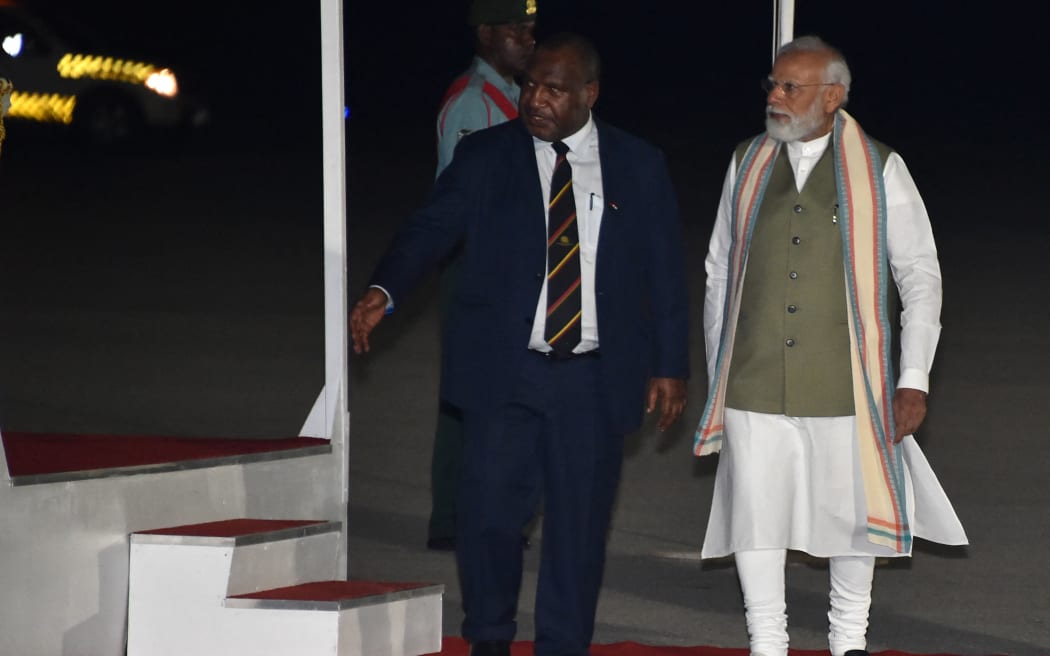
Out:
{"x": 592, "y": 89}
{"x": 833, "y": 96}
{"x": 484, "y": 33}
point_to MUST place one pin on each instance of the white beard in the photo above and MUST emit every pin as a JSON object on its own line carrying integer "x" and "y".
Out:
{"x": 797, "y": 127}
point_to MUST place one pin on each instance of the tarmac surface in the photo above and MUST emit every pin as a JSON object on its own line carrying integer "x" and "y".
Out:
{"x": 177, "y": 290}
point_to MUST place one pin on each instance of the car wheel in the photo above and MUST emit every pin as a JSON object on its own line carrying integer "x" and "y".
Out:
{"x": 107, "y": 120}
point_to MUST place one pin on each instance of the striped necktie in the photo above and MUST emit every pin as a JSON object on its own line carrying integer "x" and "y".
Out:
{"x": 562, "y": 327}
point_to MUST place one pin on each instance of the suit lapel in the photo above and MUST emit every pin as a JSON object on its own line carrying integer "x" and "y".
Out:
{"x": 615, "y": 174}
{"x": 526, "y": 174}
{"x": 522, "y": 184}
{"x": 608, "y": 147}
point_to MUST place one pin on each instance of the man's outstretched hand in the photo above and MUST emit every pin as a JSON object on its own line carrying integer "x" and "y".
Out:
{"x": 366, "y": 315}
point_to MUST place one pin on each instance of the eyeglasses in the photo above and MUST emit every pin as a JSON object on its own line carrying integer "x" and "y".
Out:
{"x": 789, "y": 88}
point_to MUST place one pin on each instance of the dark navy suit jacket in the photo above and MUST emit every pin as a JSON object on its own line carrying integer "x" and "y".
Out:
{"x": 490, "y": 199}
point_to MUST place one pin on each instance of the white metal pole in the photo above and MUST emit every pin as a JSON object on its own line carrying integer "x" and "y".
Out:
{"x": 783, "y": 23}
{"x": 336, "y": 413}
{"x": 776, "y": 29}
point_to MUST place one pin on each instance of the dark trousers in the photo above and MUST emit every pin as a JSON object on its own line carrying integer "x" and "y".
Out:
{"x": 444, "y": 472}
{"x": 549, "y": 441}
{"x": 447, "y": 455}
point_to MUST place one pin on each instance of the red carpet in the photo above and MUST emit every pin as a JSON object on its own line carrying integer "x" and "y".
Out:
{"x": 457, "y": 647}
{"x": 35, "y": 454}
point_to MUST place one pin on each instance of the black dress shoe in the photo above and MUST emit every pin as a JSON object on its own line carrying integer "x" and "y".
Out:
{"x": 857, "y": 652}
{"x": 490, "y": 648}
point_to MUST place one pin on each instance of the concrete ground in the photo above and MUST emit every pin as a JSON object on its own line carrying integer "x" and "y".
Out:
{"x": 150, "y": 293}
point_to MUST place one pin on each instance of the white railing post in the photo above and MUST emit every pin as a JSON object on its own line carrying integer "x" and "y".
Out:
{"x": 336, "y": 412}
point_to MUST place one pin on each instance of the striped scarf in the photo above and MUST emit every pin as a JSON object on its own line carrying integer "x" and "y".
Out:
{"x": 862, "y": 221}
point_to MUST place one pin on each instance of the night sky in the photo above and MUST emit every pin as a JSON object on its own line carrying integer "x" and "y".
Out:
{"x": 910, "y": 59}
{"x": 930, "y": 77}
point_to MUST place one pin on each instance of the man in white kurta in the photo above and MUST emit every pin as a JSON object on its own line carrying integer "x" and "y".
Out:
{"x": 790, "y": 471}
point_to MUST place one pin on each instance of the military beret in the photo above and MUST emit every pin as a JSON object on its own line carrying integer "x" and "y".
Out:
{"x": 494, "y": 12}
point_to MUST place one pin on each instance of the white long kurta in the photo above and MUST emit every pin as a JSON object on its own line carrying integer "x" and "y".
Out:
{"x": 788, "y": 482}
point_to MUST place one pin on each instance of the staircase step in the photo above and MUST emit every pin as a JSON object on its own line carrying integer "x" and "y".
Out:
{"x": 234, "y": 556}
{"x": 40, "y": 458}
{"x": 333, "y": 595}
{"x": 236, "y": 532}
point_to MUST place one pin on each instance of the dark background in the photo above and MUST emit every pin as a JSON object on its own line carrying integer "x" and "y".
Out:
{"x": 227, "y": 220}
{"x": 183, "y": 225}
{"x": 932, "y": 72}
{"x": 176, "y": 289}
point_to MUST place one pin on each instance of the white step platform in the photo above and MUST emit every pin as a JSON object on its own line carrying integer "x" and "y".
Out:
{"x": 268, "y": 588}
{"x": 64, "y": 534}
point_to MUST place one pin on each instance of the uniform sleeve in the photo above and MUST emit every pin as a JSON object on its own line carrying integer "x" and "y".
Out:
{"x": 916, "y": 271}
{"x": 469, "y": 112}
{"x": 717, "y": 267}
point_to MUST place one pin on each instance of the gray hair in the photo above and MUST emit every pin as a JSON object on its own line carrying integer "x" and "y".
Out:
{"x": 836, "y": 72}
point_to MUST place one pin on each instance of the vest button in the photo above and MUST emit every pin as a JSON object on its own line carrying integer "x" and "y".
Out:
{"x": 793, "y": 275}
{"x": 792, "y": 309}
{"x": 796, "y": 240}
{"x": 790, "y": 342}
{"x": 798, "y": 209}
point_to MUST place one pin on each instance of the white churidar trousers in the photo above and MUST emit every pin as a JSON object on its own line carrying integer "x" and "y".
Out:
{"x": 761, "y": 575}
{"x": 795, "y": 483}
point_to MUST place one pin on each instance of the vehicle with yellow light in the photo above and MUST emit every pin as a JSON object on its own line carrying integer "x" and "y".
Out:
{"x": 105, "y": 99}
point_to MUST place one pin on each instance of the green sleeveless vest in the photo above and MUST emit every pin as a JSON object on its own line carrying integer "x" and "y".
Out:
{"x": 792, "y": 349}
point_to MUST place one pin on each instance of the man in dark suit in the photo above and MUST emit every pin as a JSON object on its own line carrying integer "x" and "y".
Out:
{"x": 570, "y": 319}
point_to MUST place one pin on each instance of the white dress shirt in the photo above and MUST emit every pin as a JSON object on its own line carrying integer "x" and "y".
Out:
{"x": 588, "y": 194}
{"x": 911, "y": 251}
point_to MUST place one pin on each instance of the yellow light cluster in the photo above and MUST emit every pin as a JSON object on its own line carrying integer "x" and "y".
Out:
{"x": 104, "y": 68}
{"x": 45, "y": 107}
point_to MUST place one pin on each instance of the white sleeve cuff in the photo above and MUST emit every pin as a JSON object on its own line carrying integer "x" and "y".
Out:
{"x": 914, "y": 379}
{"x": 389, "y": 299}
